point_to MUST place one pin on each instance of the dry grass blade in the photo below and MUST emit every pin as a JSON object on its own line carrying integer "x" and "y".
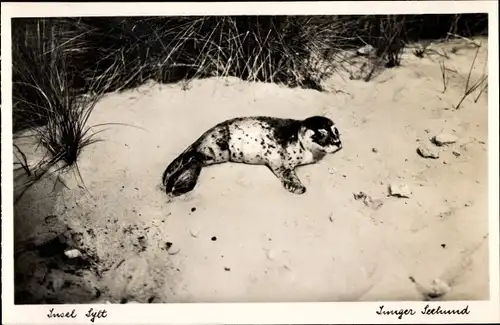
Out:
{"x": 471, "y": 87}
{"x": 476, "y": 44}
{"x": 481, "y": 91}
{"x": 444, "y": 75}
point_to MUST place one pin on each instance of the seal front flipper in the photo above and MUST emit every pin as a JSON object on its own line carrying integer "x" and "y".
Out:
{"x": 289, "y": 179}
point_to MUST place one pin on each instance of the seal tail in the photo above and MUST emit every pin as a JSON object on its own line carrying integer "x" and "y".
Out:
{"x": 182, "y": 174}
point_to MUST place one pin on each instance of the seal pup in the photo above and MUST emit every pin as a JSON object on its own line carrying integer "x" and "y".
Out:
{"x": 278, "y": 143}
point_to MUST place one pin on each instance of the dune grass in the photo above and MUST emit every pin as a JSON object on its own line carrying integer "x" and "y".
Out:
{"x": 63, "y": 66}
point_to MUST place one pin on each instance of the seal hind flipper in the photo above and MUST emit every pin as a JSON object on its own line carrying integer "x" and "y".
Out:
{"x": 182, "y": 173}
{"x": 184, "y": 179}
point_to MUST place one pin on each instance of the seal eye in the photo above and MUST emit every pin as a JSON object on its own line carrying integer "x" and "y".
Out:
{"x": 336, "y": 135}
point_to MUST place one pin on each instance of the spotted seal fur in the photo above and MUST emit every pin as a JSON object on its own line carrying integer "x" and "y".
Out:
{"x": 278, "y": 143}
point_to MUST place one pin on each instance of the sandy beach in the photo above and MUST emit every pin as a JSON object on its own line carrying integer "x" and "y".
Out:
{"x": 239, "y": 236}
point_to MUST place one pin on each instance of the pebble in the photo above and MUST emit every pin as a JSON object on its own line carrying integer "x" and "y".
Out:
{"x": 359, "y": 195}
{"x": 428, "y": 152}
{"x": 443, "y": 139}
{"x": 365, "y": 50}
{"x": 194, "y": 232}
{"x": 399, "y": 190}
{"x": 73, "y": 253}
{"x": 438, "y": 288}
{"x": 50, "y": 219}
{"x": 374, "y": 150}
{"x": 456, "y": 153}
{"x": 331, "y": 217}
{"x": 271, "y": 254}
{"x": 172, "y": 249}
{"x": 331, "y": 170}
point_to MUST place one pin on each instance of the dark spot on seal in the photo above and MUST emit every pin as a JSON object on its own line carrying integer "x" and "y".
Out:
{"x": 284, "y": 131}
{"x": 223, "y": 141}
{"x": 221, "y": 144}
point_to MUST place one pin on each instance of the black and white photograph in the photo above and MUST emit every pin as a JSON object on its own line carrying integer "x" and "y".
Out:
{"x": 257, "y": 158}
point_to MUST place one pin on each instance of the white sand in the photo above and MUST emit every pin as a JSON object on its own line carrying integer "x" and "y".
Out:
{"x": 272, "y": 245}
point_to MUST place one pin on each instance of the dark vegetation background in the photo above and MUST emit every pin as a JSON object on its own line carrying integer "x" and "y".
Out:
{"x": 105, "y": 54}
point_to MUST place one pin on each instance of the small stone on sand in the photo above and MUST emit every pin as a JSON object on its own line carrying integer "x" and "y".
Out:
{"x": 399, "y": 190}
{"x": 428, "y": 152}
{"x": 443, "y": 139}
{"x": 365, "y": 50}
{"x": 172, "y": 249}
{"x": 360, "y": 195}
{"x": 438, "y": 289}
{"x": 73, "y": 253}
{"x": 194, "y": 232}
{"x": 271, "y": 254}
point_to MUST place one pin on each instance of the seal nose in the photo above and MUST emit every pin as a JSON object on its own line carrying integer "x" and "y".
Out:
{"x": 338, "y": 144}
